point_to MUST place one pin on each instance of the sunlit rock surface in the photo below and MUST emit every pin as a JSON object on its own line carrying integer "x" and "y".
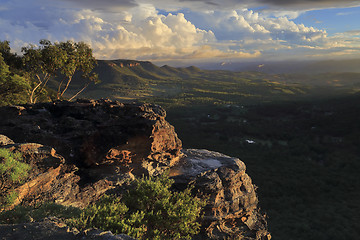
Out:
{"x": 232, "y": 210}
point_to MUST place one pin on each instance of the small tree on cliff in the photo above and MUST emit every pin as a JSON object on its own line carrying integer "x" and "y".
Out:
{"x": 47, "y": 60}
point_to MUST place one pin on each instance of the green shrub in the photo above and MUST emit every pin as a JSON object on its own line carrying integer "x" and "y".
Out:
{"x": 148, "y": 211}
{"x": 12, "y": 172}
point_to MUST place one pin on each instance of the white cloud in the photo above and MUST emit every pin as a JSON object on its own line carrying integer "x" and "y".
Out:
{"x": 139, "y": 31}
{"x": 247, "y": 24}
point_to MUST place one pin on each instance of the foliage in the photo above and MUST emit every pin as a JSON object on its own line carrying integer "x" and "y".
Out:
{"x": 22, "y": 214}
{"x": 11, "y": 59}
{"x": 41, "y": 63}
{"x": 148, "y": 211}
{"x": 12, "y": 171}
{"x": 13, "y": 88}
{"x": 47, "y": 60}
{"x": 79, "y": 57}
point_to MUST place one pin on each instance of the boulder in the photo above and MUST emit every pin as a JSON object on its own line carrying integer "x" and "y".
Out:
{"x": 232, "y": 209}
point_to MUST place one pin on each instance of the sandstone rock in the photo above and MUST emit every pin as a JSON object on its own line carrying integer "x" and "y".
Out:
{"x": 232, "y": 211}
{"x": 98, "y": 146}
{"x": 54, "y": 229}
{"x": 114, "y": 137}
{"x": 52, "y": 179}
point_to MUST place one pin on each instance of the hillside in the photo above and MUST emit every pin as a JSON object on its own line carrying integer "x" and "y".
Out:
{"x": 128, "y": 80}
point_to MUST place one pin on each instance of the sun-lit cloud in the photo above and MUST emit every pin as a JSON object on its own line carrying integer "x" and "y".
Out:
{"x": 158, "y": 29}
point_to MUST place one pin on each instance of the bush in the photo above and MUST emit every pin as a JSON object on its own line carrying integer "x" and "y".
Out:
{"x": 12, "y": 172}
{"x": 148, "y": 211}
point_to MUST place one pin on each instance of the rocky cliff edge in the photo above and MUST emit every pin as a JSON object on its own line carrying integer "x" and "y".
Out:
{"x": 80, "y": 150}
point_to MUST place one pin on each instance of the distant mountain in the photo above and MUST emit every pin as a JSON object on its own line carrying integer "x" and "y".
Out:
{"x": 134, "y": 80}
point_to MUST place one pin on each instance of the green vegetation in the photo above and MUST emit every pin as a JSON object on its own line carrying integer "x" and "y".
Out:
{"x": 13, "y": 88}
{"x": 25, "y": 79}
{"x": 12, "y": 171}
{"x": 44, "y": 62}
{"x": 149, "y": 210}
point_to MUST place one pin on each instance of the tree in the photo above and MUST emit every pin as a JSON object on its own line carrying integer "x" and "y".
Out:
{"x": 79, "y": 57}
{"x": 47, "y": 60}
{"x": 41, "y": 63}
{"x": 13, "y": 88}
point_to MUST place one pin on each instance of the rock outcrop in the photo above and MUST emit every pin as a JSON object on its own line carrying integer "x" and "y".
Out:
{"x": 53, "y": 179}
{"x": 100, "y": 145}
{"x": 232, "y": 208}
{"x": 103, "y": 135}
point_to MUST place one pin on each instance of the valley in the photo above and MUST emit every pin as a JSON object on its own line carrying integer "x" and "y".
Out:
{"x": 298, "y": 135}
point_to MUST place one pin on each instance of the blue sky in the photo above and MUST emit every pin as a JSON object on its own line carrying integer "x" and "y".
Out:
{"x": 190, "y": 31}
{"x": 334, "y": 20}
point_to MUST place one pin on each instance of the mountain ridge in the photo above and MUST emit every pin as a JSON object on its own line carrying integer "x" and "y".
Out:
{"x": 129, "y": 80}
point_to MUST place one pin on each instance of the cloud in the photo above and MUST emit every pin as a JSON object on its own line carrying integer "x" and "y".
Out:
{"x": 249, "y": 25}
{"x": 140, "y": 31}
{"x": 139, "y": 34}
{"x": 352, "y": 32}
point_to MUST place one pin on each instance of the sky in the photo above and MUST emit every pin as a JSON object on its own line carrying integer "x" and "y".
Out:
{"x": 190, "y": 31}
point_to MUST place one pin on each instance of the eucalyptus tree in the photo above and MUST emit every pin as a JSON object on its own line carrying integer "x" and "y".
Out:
{"x": 79, "y": 58}
{"x": 41, "y": 63}
{"x": 59, "y": 61}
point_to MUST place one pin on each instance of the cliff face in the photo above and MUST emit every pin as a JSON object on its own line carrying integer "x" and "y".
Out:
{"x": 80, "y": 150}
